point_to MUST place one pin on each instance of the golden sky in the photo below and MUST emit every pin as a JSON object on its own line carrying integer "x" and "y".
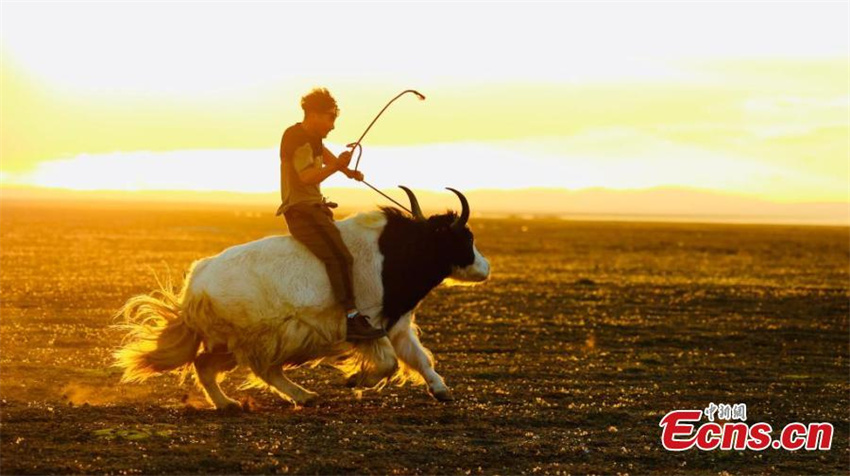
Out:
{"x": 737, "y": 98}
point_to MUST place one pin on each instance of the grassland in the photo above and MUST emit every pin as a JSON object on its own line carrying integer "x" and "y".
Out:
{"x": 564, "y": 362}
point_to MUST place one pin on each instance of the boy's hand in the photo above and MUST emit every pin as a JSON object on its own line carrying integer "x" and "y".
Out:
{"x": 353, "y": 174}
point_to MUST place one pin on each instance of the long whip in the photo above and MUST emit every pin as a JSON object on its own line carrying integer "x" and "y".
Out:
{"x": 386, "y": 196}
{"x": 356, "y": 145}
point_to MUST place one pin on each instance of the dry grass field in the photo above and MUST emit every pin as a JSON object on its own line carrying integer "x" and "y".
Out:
{"x": 564, "y": 362}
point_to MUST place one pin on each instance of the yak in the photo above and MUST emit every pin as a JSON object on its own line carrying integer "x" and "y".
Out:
{"x": 268, "y": 306}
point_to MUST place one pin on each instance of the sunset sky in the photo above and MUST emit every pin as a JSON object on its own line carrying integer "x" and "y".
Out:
{"x": 743, "y": 99}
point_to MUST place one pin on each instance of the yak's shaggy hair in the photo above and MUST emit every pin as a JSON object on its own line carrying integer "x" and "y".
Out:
{"x": 158, "y": 339}
{"x": 266, "y": 305}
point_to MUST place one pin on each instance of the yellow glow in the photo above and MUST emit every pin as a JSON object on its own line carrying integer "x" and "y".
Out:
{"x": 569, "y": 96}
{"x": 649, "y": 164}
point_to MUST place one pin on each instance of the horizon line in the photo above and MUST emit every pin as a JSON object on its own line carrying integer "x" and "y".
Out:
{"x": 837, "y": 214}
{"x": 13, "y": 187}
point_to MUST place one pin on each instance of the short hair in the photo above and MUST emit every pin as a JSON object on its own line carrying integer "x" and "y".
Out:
{"x": 319, "y": 100}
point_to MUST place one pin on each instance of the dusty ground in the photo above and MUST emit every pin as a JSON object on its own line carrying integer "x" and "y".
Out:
{"x": 564, "y": 362}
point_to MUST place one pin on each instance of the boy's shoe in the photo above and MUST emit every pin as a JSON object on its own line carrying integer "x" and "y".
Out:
{"x": 358, "y": 328}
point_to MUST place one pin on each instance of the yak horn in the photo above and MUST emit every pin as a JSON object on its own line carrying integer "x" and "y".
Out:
{"x": 414, "y": 203}
{"x": 464, "y": 213}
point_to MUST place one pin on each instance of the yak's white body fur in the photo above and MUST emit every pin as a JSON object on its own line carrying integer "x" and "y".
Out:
{"x": 268, "y": 305}
{"x": 262, "y": 288}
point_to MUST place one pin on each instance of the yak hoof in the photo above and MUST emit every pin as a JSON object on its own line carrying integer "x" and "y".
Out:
{"x": 353, "y": 381}
{"x": 443, "y": 396}
{"x": 231, "y": 408}
{"x": 309, "y": 401}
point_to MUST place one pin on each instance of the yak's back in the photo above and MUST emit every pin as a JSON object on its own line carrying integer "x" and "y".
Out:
{"x": 277, "y": 275}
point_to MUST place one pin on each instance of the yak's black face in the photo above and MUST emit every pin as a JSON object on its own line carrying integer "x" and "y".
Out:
{"x": 456, "y": 245}
{"x": 421, "y": 252}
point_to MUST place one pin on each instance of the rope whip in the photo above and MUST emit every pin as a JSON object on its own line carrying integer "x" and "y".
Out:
{"x": 356, "y": 145}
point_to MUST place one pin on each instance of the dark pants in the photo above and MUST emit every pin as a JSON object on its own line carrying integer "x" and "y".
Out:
{"x": 313, "y": 226}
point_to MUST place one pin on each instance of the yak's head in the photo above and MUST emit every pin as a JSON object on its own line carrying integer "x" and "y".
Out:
{"x": 454, "y": 241}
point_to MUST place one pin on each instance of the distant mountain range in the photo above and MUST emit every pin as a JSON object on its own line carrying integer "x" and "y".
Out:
{"x": 667, "y": 204}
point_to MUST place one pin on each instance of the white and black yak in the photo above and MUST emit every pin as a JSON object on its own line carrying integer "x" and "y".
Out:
{"x": 267, "y": 305}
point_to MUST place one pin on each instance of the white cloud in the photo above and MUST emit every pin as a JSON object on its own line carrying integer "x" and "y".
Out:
{"x": 615, "y": 159}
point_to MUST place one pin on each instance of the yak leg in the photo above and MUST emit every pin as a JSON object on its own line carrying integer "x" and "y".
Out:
{"x": 208, "y": 367}
{"x": 286, "y": 388}
{"x": 380, "y": 363}
{"x": 406, "y": 343}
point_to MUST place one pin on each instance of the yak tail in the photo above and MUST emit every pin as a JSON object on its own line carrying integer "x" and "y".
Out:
{"x": 158, "y": 339}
